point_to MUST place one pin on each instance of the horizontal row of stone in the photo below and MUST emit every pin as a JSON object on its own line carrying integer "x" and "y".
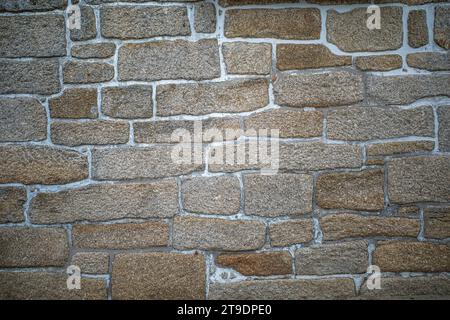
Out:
{"x": 140, "y": 22}
{"x": 49, "y": 247}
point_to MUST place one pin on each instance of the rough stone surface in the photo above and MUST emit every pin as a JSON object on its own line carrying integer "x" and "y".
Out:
{"x": 212, "y": 195}
{"x": 228, "y": 3}
{"x": 95, "y": 132}
{"x": 121, "y": 235}
{"x": 33, "y": 247}
{"x": 128, "y": 102}
{"x": 158, "y": 275}
{"x": 278, "y": 195}
{"x": 217, "y": 234}
{"x": 345, "y": 257}
{"x": 12, "y": 201}
{"x": 417, "y": 28}
{"x": 36, "y": 76}
{"x": 436, "y": 287}
{"x": 287, "y": 233}
{"x": 225, "y": 97}
{"x": 22, "y": 119}
{"x": 76, "y": 103}
{"x": 379, "y": 63}
{"x": 431, "y": 61}
{"x": 399, "y": 256}
{"x": 93, "y": 50}
{"x": 177, "y": 59}
{"x": 419, "y": 179}
{"x": 284, "y": 289}
{"x": 393, "y": 148}
{"x": 205, "y": 17}
{"x": 405, "y": 89}
{"x": 48, "y": 286}
{"x": 31, "y": 5}
{"x": 32, "y": 36}
{"x": 319, "y": 89}
{"x": 442, "y": 27}
{"x": 239, "y": 57}
{"x": 308, "y": 56}
{"x": 88, "y": 25}
{"x": 41, "y": 165}
{"x": 353, "y": 190}
{"x": 437, "y": 222}
{"x": 138, "y": 22}
{"x": 92, "y": 262}
{"x": 379, "y": 123}
{"x": 388, "y": 37}
{"x": 87, "y": 72}
{"x": 129, "y": 163}
{"x": 166, "y": 131}
{"x": 258, "y": 264}
{"x": 290, "y": 123}
{"x": 300, "y": 24}
{"x": 345, "y": 225}
{"x": 106, "y": 202}
{"x": 444, "y": 128}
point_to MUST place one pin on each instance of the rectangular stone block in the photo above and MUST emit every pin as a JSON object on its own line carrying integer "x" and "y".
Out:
{"x": 345, "y": 257}
{"x": 33, "y": 247}
{"x": 239, "y": 57}
{"x": 212, "y": 195}
{"x": 138, "y": 22}
{"x": 257, "y": 264}
{"x": 205, "y": 17}
{"x": 87, "y": 72}
{"x": 346, "y": 225}
{"x": 442, "y": 27}
{"x": 158, "y": 275}
{"x": 129, "y": 163}
{"x": 32, "y": 36}
{"x": 397, "y": 90}
{"x": 290, "y": 123}
{"x": 128, "y": 102}
{"x": 409, "y": 256}
{"x": 93, "y": 50}
{"x": 41, "y": 165}
{"x": 379, "y": 123}
{"x": 431, "y": 61}
{"x": 12, "y": 201}
{"x": 219, "y": 97}
{"x": 121, "y": 235}
{"x": 105, "y": 202}
{"x": 95, "y": 132}
{"x": 417, "y": 28}
{"x": 48, "y": 286}
{"x": 217, "y": 234}
{"x": 31, "y": 5}
{"x": 278, "y": 195}
{"x": 22, "y": 119}
{"x": 419, "y": 179}
{"x": 284, "y": 289}
{"x": 88, "y": 28}
{"x": 299, "y": 24}
{"x": 36, "y": 76}
{"x": 379, "y": 63}
{"x": 177, "y": 59}
{"x": 287, "y": 233}
{"x": 319, "y": 89}
{"x": 444, "y": 128}
{"x": 394, "y": 148}
{"x": 74, "y": 103}
{"x": 437, "y": 222}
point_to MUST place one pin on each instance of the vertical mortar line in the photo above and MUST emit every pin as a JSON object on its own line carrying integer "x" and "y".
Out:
{"x": 154, "y": 102}
{"x": 220, "y": 37}
{"x": 315, "y": 214}
{"x": 131, "y": 141}
{"x": 180, "y": 196}
{"x": 26, "y": 207}
{"x": 370, "y": 249}
{"x": 421, "y": 236}
{"x": 430, "y": 12}
{"x": 364, "y": 154}
{"x": 49, "y": 122}
{"x": 109, "y": 281}
{"x": 405, "y": 44}
{"x": 436, "y": 129}
{"x": 386, "y": 184}
{"x": 190, "y": 8}
{"x": 89, "y": 157}
{"x": 325, "y": 126}
{"x": 97, "y": 22}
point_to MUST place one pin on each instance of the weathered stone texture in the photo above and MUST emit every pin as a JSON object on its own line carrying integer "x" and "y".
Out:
{"x": 92, "y": 262}
{"x": 75, "y": 103}
{"x": 158, "y": 275}
{"x": 217, "y": 234}
{"x": 247, "y": 58}
{"x": 353, "y": 190}
{"x": 278, "y": 195}
{"x": 121, "y": 235}
{"x": 300, "y": 24}
{"x": 444, "y": 128}
{"x": 93, "y": 50}
{"x": 22, "y": 119}
{"x": 287, "y": 233}
{"x": 379, "y": 63}
{"x": 205, "y": 17}
{"x": 12, "y": 201}
{"x": 394, "y": 148}
{"x": 212, "y": 195}
{"x": 177, "y": 59}
{"x": 128, "y": 102}
{"x": 431, "y": 61}
{"x": 258, "y": 264}
{"x": 87, "y": 72}
{"x": 417, "y": 28}
{"x": 33, "y": 247}
{"x": 88, "y": 25}
{"x": 437, "y": 222}
{"x": 106, "y": 202}
{"x": 41, "y": 165}
{"x": 442, "y": 27}
{"x": 31, "y": 5}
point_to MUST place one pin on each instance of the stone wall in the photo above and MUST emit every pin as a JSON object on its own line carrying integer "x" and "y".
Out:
{"x": 87, "y": 178}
